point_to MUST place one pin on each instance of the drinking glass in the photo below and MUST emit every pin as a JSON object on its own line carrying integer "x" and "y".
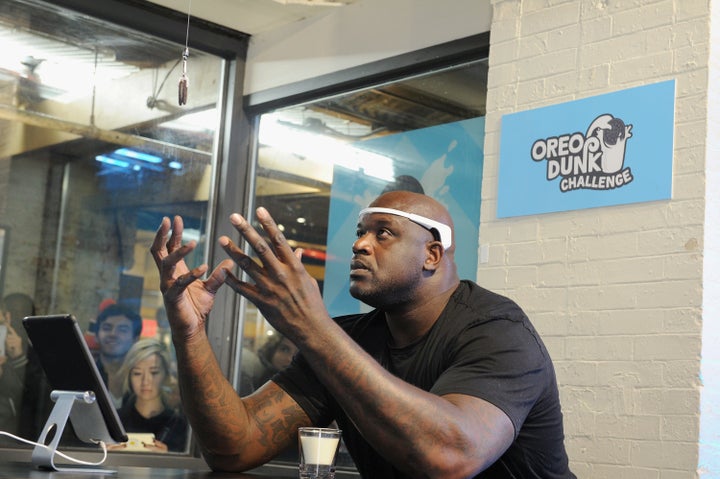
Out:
{"x": 318, "y": 452}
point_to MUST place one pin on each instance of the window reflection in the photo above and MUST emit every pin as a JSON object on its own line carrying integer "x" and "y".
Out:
{"x": 95, "y": 151}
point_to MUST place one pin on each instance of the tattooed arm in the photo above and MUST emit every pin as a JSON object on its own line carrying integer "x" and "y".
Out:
{"x": 234, "y": 434}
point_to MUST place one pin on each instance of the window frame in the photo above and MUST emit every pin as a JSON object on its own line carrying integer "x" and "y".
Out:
{"x": 396, "y": 68}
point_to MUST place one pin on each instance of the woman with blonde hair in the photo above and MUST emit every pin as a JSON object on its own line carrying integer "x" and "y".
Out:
{"x": 147, "y": 377}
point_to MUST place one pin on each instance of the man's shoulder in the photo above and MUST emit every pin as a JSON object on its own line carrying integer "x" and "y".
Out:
{"x": 472, "y": 295}
{"x": 369, "y": 330}
{"x": 351, "y": 322}
{"x": 348, "y": 318}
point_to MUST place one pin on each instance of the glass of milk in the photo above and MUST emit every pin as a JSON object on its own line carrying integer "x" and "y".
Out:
{"x": 318, "y": 451}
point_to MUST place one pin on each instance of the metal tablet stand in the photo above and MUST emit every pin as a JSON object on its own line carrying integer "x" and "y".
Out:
{"x": 84, "y": 417}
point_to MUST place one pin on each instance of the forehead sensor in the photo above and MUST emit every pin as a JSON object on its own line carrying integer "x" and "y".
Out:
{"x": 443, "y": 230}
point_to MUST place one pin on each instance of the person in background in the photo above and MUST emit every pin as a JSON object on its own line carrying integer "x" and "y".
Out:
{"x": 13, "y": 360}
{"x": 443, "y": 379}
{"x": 146, "y": 376}
{"x": 250, "y": 369}
{"x": 117, "y": 329}
{"x": 90, "y": 333}
{"x": 24, "y": 391}
{"x": 275, "y": 355}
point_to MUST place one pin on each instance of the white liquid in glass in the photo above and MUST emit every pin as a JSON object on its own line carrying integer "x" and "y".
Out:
{"x": 319, "y": 450}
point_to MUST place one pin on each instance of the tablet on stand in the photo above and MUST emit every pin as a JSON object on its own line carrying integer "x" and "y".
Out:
{"x": 79, "y": 392}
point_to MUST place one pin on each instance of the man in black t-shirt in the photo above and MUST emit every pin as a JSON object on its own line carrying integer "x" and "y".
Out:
{"x": 443, "y": 379}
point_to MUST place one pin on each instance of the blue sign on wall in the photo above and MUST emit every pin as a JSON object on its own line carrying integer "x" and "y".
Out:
{"x": 605, "y": 150}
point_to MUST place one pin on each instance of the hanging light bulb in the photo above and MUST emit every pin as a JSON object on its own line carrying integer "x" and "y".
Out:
{"x": 184, "y": 82}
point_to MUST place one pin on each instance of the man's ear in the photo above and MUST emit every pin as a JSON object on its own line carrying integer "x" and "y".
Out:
{"x": 434, "y": 253}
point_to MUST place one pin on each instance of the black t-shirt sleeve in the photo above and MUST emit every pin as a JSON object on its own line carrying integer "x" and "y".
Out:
{"x": 500, "y": 361}
{"x": 301, "y": 383}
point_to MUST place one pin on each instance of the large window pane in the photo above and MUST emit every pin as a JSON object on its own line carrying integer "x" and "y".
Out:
{"x": 95, "y": 150}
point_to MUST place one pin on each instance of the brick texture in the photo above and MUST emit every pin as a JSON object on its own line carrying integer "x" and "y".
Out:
{"x": 616, "y": 292}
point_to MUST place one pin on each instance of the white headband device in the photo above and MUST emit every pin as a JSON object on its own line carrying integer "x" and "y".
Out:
{"x": 443, "y": 230}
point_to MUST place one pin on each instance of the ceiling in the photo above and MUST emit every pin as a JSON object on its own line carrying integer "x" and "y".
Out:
{"x": 255, "y": 16}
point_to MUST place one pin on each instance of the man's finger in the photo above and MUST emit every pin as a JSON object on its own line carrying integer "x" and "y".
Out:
{"x": 244, "y": 261}
{"x": 249, "y": 291}
{"x": 258, "y": 244}
{"x": 175, "y": 240}
{"x": 235, "y": 283}
{"x": 175, "y": 288}
{"x": 282, "y": 249}
{"x": 217, "y": 278}
{"x": 157, "y": 249}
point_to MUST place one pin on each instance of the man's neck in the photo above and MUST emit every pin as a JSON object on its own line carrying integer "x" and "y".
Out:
{"x": 151, "y": 408}
{"x": 111, "y": 363}
{"x": 408, "y": 325}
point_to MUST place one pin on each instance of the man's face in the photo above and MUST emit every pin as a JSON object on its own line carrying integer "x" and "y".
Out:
{"x": 115, "y": 336}
{"x": 388, "y": 258}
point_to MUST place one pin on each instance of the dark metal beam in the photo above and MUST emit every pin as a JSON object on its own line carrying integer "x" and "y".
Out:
{"x": 164, "y": 22}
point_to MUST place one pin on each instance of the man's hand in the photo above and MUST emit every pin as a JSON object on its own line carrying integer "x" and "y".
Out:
{"x": 188, "y": 299}
{"x": 282, "y": 289}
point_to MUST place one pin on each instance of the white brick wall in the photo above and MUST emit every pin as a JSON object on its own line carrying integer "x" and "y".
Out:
{"x": 617, "y": 292}
{"x": 710, "y": 370}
